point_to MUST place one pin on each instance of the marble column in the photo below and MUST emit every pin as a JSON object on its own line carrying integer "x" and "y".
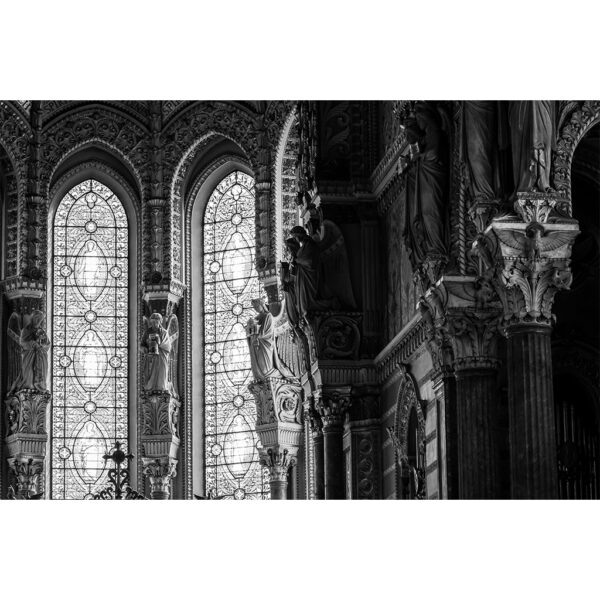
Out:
{"x": 316, "y": 434}
{"x": 332, "y": 404}
{"x": 536, "y": 264}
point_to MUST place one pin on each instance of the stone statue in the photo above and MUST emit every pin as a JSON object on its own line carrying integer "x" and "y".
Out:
{"x": 532, "y": 141}
{"x": 288, "y": 285}
{"x": 481, "y": 135}
{"x": 260, "y": 334}
{"x": 28, "y": 353}
{"x": 426, "y": 218}
{"x": 322, "y": 276}
{"x": 160, "y": 349}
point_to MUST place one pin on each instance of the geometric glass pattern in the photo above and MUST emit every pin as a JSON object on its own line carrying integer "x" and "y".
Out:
{"x": 232, "y": 468}
{"x": 89, "y": 322}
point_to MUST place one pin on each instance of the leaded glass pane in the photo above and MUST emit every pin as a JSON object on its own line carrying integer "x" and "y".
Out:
{"x": 232, "y": 466}
{"x": 89, "y": 371}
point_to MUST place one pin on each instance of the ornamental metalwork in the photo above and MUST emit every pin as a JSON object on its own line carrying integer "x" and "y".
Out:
{"x": 232, "y": 468}
{"x": 90, "y": 325}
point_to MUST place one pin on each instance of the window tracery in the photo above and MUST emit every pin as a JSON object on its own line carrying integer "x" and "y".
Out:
{"x": 232, "y": 468}
{"x": 90, "y": 314}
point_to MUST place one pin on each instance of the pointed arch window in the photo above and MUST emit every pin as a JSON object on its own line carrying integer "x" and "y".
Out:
{"x": 90, "y": 337}
{"x": 232, "y": 469}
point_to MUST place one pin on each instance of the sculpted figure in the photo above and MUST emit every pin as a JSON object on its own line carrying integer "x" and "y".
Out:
{"x": 532, "y": 141}
{"x": 426, "y": 222}
{"x": 288, "y": 284}
{"x": 28, "y": 353}
{"x": 159, "y": 348}
{"x": 322, "y": 277}
{"x": 481, "y": 127}
{"x": 260, "y": 334}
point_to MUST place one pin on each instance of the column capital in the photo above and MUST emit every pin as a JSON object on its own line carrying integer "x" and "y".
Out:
{"x": 278, "y": 460}
{"x": 534, "y": 261}
{"x": 332, "y": 403}
{"x": 26, "y": 474}
{"x": 160, "y": 471}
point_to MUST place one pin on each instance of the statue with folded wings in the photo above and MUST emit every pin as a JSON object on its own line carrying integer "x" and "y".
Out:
{"x": 322, "y": 276}
{"x": 27, "y": 353}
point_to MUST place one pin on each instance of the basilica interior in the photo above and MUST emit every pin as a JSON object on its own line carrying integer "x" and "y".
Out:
{"x": 300, "y": 300}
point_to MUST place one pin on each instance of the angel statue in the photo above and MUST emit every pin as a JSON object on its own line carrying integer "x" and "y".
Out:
{"x": 322, "y": 276}
{"x": 288, "y": 284}
{"x": 160, "y": 347}
{"x": 27, "y": 353}
{"x": 260, "y": 332}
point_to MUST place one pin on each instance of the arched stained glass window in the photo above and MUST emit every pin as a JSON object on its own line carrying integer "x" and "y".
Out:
{"x": 89, "y": 371}
{"x": 230, "y": 283}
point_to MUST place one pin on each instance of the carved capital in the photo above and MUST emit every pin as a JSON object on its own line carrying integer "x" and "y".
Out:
{"x": 474, "y": 336}
{"x": 312, "y": 417}
{"x": 332, "y": 405}
{"x": 535, "y": 264}
{"x": 25, "y": 477}
{"x": 535, "y": 206}
{"x": 278, "y": 460}
{"x": 278, "y": 400}
{"x": 334, "y": 335}
{"x": 156, "y": 412}
{"x": 160, "y": 472}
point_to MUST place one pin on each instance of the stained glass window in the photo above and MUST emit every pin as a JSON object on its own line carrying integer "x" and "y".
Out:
{"x": 232, "y": 465}
{"x": 89, "y": 370}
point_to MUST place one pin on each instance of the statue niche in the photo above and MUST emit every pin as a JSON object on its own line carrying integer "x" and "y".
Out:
{"x": 260, "y": 332}
{"x": 320, "y": 271}
{"x": 159, "y": 346}
{"x": 425, "y": 228}
{"x": 27, "y": 353}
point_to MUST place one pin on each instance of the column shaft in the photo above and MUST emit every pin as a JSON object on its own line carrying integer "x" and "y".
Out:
{"x": 333, "y": 450}
{"x": 278, "y": 489}
{"x": 477, "y": 404}
{"x": 319, "y": 475}
{"x": 531, "y": 412}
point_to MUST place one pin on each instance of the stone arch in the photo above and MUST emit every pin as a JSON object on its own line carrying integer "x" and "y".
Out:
{"x": 15, "y": 135}
{"x": 580, "y": 122}
{"x": 407, "y": 400}
{"x": 100, "y": 126}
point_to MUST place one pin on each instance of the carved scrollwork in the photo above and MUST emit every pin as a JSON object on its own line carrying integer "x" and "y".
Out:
{"x": 580, "y": 122}
{"x": 289, "y": 403}
{"x": 338, "y": 336}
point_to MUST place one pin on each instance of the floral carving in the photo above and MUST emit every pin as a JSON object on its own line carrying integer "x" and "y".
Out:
{"x": 26, "y": 412}
{"x": 156, "y": 418}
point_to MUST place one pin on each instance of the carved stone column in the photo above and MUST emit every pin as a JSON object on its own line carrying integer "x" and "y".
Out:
{"x": 160, "y": 405}
{"x": 474, "y": 338}
{"x": 316, "y": 432}
{"x": 28, "y": 398}
{"x": 279, "y": 427}
{"x": 535, "y": 251}
{"x": 332, "y": 403}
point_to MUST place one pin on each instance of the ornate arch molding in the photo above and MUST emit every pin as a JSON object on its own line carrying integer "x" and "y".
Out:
{"x": 15, "y": 135}
{"x": 283, "y": 152}
{"x": 407, "y": 398}
{"x": 99, "y": 126}
{"x": 193, "y": 125}
{"x": 580, "y": 122}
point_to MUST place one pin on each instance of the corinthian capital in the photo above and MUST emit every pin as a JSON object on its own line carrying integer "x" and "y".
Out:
{"x": 278, "y": 460}
{"x": 535, "y": 264}
{"x": 332, "y": 404}
{"x": 159, "y": 471}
